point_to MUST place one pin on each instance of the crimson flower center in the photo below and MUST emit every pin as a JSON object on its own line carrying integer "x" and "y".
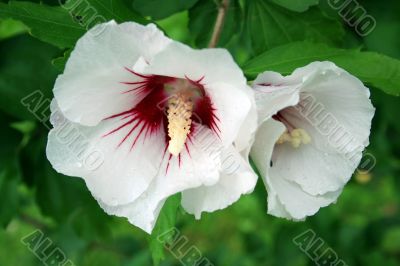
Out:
{"x": 174, "y": 107}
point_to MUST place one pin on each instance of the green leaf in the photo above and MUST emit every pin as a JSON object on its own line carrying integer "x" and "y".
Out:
{"x": 176, "y": 27}
{"x": 159, "y": 9}
{"x": 165, "y": 226}
{"x": 63, "y": 26}
{"x": 107, "y": 9}
{"x": 9, "y": 171}
{"x": 10, "y": 28}
{"x": 101, "y": 257}
{"x": 378, "y": 70}
{"x": 60, "y": 62}
{"x": 385, "y": 29}
{"x": 27, "y": 128}
{"x": 202, "y": 17}
{"x": 49, "y": 24}
{"x": 25, "y": 67}
{"x": 391, "y": 240}
{"x": 9, "y": 180}
{"x": 296, "y": 5}
{"x": 268, "y": 25}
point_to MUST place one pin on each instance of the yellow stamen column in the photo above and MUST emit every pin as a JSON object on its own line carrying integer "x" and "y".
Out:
{"x": 180, "y": 110}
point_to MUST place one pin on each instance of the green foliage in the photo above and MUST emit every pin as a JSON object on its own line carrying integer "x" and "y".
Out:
{"x": 23, "y": 71}
{"x": 102, "y": 258}
{"x": 104, "y": 10}
{"x": 391, "y": 240}
{"x": 10, "y": 28}
{"x": 268, "y": 25}
{"x": 9, "y": 172}
{"x": 59, "y": 62}
{"x": 166, "y": 223}
{"x": 176, "y": 26}
{"x": 296, "y": 5}
{"x": 49, "y": 24}
{"x": 159, "y": 9}
{"x": 286, "y": 58}
{"x": 62, "y": 26}
{"x": 384, "y": 38}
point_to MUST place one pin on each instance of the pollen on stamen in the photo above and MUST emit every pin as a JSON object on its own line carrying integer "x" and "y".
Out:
{"x": 295, "y": 137}
{"x": 179, "y": 111}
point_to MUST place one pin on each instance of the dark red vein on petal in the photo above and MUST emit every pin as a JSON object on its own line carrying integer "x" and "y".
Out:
{"x": 120, "y": 127}
{"x": 129, "y": 133}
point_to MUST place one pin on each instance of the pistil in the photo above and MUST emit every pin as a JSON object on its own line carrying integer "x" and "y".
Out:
{"x": 180, "y": 108}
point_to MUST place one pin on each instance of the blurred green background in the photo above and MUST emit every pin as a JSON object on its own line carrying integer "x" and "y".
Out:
{"x": 363, "y": 227}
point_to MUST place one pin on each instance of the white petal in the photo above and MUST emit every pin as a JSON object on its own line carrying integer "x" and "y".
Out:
{"x": 293, "y": 202}
{"x": 233, "y": 106}
{"x": 261, "y": 154}
{"x": 272, "y": 94}
{"x": 198, "y": 167}
{"x": 141, "y": 213}
{"x": 345, "y": 109}
{"x": 315, "y": 171}
{"x": 269, "y": 78}
{"x": 246, "y": 134}
{"x": 237, "y": 178}
{"x": 213, "y": 65}
{"x": 115, "y": 175}
{"x": 302, "y": 74}
{"x": 285, "y": 198}
{"x": 90, "y": 88}
{"x": 267, "y": 135}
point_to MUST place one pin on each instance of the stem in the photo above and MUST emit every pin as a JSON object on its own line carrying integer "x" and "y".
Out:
{"x": 33, "y": 222}
{"x": 219, "y": 23}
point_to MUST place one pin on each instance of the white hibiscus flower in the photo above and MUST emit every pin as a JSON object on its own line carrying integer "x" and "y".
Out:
{"x": 314, "y": 125}
{"x": 165, "y": 119}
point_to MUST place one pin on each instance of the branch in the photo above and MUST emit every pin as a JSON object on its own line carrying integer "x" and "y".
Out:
{"x": 33, "y": 222}
{"x": 219, "y": 23}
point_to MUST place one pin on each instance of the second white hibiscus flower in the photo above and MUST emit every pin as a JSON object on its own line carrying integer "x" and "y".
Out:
{"x": 313, "y": 126}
